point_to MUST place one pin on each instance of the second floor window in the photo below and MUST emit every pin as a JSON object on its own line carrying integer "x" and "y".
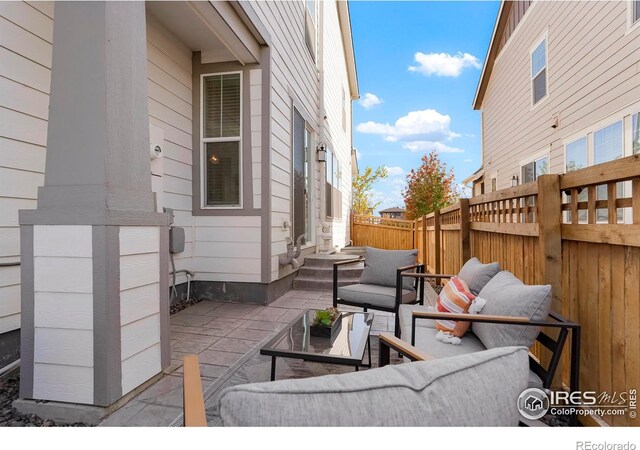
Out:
{"x": 539, "y": 72}
{"x": 221, "y": 143}
{"x": 635, "y": 11}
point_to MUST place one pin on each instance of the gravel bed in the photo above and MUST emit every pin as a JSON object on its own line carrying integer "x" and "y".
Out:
{"x": 182, "y": 304}
{"x": 10, "y": 417}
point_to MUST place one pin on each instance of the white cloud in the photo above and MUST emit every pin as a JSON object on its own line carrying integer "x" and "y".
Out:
{"x": 395, "y": 171}
{"x": 468, "y": 160}
{"x": 443, "y": 64}
{"x": 370, "y": 100}
{"x": 425, "y": 125}
{"x": 388, "y": 198}
{"x": 428, "y": 146}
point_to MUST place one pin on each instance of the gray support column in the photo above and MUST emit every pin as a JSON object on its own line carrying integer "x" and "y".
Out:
{"x": 97, "y": 177}
{"x": 27, "y": 312}
{"x": 107, "y": 364}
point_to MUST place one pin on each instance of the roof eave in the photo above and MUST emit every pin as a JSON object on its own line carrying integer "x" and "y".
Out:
{"x": 487, "y": 67}
{"x": 347, "y": 43}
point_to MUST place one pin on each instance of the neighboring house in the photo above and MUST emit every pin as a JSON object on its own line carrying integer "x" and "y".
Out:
{"x": 393, "y": 213}
{"x": 241, "y": 96}
{"x": 560, "y": 90}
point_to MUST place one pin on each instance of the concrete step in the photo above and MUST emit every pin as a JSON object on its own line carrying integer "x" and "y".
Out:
{"x": 357, "y": 251}
{"x": 315, "y": 284}
{"x": 326, "y": 260}
{"x": 326, "y": 273}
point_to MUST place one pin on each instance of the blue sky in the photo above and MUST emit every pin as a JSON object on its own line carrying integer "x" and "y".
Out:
{"x": 418, "y": 67}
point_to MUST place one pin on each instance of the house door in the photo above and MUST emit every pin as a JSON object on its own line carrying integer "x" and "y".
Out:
{"x": 300, "y": 189}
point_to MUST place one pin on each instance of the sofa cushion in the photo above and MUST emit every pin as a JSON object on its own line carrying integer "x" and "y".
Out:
{"x": 381, "y": 266}
{"x": 477, "y": 275}
{"x": 506, "y": 295}
{"x": 416, "y": 394}
{"x": 405, "y": 313}
{"x": 427, "y": 342}
{"x": 374, "y": 295}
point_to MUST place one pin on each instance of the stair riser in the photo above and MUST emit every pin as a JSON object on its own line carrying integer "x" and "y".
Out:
{"x": 324, "y": 263}
{"x": 327, "y": 274}
{"x": 319, "y": 285}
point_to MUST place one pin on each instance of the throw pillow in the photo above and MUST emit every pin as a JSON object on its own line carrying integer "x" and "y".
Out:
{"x": 477, "y": 275}
{"x": 508, "y": 296}
{"x": 381, "y": 266}
{"x": 455, "y": 298}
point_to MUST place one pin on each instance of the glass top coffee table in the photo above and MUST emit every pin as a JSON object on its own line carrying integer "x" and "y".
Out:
{"x": 345, "y": 347}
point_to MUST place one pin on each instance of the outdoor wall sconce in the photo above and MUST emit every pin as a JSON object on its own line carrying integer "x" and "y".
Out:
{"x": 321, "y": 153}
{"x": 514, "y": 181}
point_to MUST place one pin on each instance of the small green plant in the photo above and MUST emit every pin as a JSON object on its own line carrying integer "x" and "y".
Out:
{"x": 325, "y": 317}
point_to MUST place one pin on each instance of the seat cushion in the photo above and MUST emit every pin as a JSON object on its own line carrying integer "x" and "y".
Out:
{"x": 374, "y": 295}
{"x": 405, "y": 312}
{"x": 427, "y": 342}
{"x": 485, "y": 385}
{"x": 477, "y": 275}
{"x": 381, "y": 266}
{"x": 506, "y": 295}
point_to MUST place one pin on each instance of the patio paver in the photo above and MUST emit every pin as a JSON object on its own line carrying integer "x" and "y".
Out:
{"x": 220, "y": 333}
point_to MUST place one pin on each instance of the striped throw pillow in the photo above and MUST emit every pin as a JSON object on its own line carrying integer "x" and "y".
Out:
{"x": 455, "y": 298}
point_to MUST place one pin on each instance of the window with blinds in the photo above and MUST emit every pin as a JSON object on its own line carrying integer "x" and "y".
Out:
{"x": 221, "y": 139}
{"x": 635, "y": 11}
{"x": 607, "y": 143}
{"x": 310, "y": 27}
{"x": 635, "y": 133}
{"x": 576, "y": 155}
{"x": 539, "y": 72}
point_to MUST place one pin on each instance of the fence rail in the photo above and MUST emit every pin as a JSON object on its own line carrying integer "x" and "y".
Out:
{"x": 578, "y": 232}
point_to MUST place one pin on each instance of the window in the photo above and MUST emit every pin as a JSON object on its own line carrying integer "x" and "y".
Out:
{"x": 635, "y": 11}
{"x": 607, "y": 143}
{"x": 576, "y": 155}
{"x": 635, "y": 133}
{"x": 220, "y": 137}
{"x": 301, "y": 177}
{"x": 532, "y": 170}
{"x": 310, "y": 27}
{"x": 333, "y": 195}
{"x": 539, "y": 72}
{"x": 494, "y": 184}
{"x": 344, "y": 110}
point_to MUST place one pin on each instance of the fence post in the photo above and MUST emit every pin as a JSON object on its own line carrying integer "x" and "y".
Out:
{"x": 549, "y": 214}
{"x": 425, "y": 259}
{"x": 436, "y": 232}
{"x": 465, "y": 242}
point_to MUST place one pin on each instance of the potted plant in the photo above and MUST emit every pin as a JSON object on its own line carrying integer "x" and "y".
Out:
{"x": 326, "y": 322}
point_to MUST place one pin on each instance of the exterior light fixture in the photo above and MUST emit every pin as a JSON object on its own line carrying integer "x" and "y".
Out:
{"x": 515, "y": 180}
{"x": 321, "y": 153}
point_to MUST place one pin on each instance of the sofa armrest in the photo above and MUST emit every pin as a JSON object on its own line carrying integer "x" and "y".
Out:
{"x": 336, "y": 265}
{"x": 192, "y": 397}
{"x": 389, "y": 341}
{"x": 435, "y": 276}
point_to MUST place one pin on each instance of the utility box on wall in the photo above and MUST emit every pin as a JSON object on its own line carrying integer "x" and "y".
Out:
{"x": 156, "y": 150}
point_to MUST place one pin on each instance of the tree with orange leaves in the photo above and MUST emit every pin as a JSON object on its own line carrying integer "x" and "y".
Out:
{"x": 429, "y": 188}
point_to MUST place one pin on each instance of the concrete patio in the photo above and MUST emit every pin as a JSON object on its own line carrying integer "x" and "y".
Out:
{"x": 221, "y": 334}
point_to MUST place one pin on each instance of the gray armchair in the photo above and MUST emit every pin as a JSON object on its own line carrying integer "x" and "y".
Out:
{"x": 382, "y": 286}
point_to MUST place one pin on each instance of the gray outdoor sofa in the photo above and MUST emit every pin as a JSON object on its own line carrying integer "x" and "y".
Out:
{"x": 478, "y": 389}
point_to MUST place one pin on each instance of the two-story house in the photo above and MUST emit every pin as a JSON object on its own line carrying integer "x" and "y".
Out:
{"x": 559, "y": 90}
{"x": 147, "y": 143}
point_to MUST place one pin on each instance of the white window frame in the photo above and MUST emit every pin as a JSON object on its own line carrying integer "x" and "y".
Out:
{"x": 535, "y": 158}
{"x": 631, "y": 24}
{"x": 539, "y": 41}
{"x": 203, "y": 141}
{"x": 623, "y": 115}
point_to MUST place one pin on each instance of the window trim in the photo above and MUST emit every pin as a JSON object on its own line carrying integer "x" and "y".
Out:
{"x": 203, "y": 141}
{"x": 631, "y": 24}
{"x": 543, "y": 38}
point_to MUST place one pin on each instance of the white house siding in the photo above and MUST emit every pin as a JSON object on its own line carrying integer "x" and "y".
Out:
{"x": 169, "y": 72}
{"x": 336, "y": 84}
{"x": 227, "y": 248}
{"x": 26, "y": 31}
{"x": 139, "y": 305}
{"x": 293, "y": 75}
{"x": 63, "y": 313}
{"x": 593, "y": 72}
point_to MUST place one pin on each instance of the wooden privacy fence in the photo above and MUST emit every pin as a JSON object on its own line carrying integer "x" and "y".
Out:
{"x": 381, "y": 232}
{"x": 578, "y": 232}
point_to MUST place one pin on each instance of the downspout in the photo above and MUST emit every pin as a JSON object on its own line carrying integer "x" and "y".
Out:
{"x": 321, "y": 119}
